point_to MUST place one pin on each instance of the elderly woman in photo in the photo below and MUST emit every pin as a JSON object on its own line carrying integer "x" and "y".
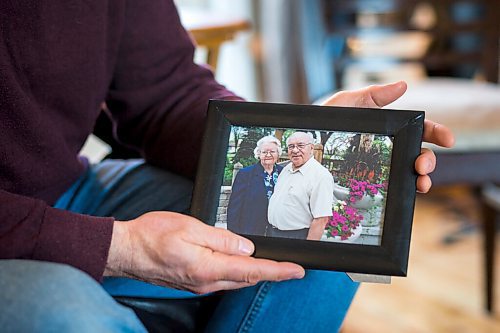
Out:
{"x": 252, "y": 189}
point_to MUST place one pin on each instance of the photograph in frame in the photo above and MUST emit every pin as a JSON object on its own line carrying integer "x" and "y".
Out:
{"x": 326, "y": 187}
{"x": 352, "y": 175}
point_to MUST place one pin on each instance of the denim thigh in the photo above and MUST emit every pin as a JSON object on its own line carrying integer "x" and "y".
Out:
{"x": 127, "y": 189}
{"x": 48, "y": 297}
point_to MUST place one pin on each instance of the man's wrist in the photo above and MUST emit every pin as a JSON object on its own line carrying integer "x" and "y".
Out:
{"x": 116, "y": 262}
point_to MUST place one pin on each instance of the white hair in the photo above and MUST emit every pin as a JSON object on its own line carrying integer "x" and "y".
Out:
{"x": 267, "y": 139}
{"x": 307, "y": 134}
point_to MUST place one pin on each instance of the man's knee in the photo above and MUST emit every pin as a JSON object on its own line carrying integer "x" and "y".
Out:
{"x": 40, "y": 296}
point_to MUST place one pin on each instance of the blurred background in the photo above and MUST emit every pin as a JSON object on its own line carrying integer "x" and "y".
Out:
{"x": 299, "y": 51}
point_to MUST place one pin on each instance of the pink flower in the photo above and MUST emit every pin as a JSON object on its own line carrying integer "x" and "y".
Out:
{"x": 350, "y": 211}
{"x": 344, "y": 219}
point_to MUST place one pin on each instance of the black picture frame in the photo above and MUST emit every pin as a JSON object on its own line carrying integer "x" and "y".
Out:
{"x": 406, "y": 128}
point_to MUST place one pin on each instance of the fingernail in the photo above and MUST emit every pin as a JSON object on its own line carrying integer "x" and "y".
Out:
{"x": 245, "y": 247}
{"x": 299, "y": 275}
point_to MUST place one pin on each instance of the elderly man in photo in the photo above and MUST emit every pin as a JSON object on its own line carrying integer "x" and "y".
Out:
{"x": 303, "y": 196}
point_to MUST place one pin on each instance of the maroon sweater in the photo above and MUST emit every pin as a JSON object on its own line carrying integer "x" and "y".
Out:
{"x": 59, "y": 60}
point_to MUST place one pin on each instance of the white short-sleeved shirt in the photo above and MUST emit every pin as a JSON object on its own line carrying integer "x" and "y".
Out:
{"x": 300, "y": 196}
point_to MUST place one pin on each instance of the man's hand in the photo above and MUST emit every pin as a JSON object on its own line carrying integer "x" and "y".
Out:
{"x": 178, "y": 251}
{"x": 379, "y": 96}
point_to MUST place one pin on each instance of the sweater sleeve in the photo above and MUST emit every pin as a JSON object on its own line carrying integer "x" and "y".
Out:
{"x": 31, "y": 229}
{"x": 158, "y": 97}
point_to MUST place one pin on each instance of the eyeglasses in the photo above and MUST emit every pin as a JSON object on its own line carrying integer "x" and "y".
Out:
{"x": 270, "y": 152}
{"x": 299, "y": 146}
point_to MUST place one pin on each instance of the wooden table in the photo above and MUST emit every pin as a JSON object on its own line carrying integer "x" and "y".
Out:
{"x": 210, "y": 30}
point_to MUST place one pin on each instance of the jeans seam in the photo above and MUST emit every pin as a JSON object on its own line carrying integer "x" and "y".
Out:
{"x": 248, "y": 320}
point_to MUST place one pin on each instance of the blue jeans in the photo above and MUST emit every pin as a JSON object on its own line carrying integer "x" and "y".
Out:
{"x": 43, "y": 297}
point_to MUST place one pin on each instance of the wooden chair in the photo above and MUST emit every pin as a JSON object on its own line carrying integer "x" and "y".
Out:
{"x": 466, "y": 46}
{"x": 490, "y": 195}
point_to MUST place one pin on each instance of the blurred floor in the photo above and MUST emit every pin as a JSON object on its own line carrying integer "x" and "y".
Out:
{"x": 444, "y": 288}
